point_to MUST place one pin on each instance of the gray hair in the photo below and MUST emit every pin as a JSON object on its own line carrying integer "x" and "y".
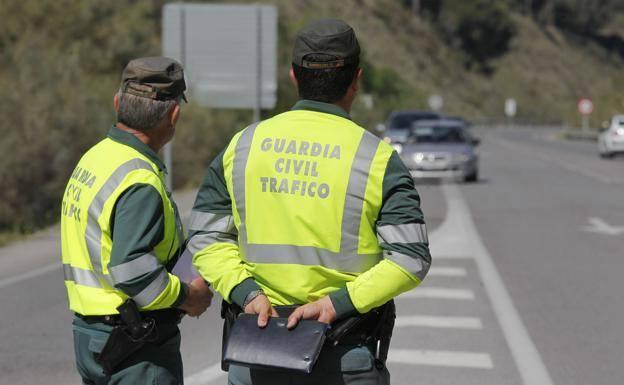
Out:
{"x": 142, "y": 113}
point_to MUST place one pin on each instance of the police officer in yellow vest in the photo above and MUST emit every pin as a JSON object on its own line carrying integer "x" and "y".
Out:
{"x": 121, "y": 236}
{"x": 308, "y": 208}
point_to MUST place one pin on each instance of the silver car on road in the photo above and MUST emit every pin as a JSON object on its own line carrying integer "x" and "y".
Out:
{"x": 611, "y": 141}
{"x": 440, "y": 149}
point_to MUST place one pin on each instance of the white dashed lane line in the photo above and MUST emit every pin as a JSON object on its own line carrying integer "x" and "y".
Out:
{"x": 205, "y": 376}
{"x": 441, "y": 358}
{"x": 447, "y": 272}
{"x": 430, "y": 321}
{"x": 438, "y": 293}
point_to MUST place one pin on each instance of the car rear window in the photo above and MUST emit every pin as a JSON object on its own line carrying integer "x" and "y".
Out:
{"x": 437, "y": 134}
{"x": 405, "y": 120}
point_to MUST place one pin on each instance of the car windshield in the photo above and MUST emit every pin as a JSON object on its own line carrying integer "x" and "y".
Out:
{"x": 438, "y": 134}
{"x": 405, "y": 120}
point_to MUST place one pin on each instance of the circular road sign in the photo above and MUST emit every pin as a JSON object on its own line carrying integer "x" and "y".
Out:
{"x": 585, "y": 106}
{"x": 435, "y": 102}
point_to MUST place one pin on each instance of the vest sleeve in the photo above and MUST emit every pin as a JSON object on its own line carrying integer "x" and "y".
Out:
{"x": 138, "y": 225}
{"x": 402, "y": 236}
{"x": 213, "y": 237}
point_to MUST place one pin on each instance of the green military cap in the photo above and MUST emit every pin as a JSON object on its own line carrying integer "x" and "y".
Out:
{"x": 330, "y": 37}
{"x": 159, "y": 78}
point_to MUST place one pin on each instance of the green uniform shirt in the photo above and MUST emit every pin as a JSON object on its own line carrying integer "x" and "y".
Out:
{"x": 138, "y": 221}
{"x": 400, "y": 205}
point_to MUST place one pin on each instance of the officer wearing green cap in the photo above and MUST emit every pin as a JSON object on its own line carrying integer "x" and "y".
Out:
{"x": 308, "y": 210}
{"x": 121, "y": 236}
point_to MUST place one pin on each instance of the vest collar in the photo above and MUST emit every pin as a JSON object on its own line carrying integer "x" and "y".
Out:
{"x": 313, "y": 105}
{"x": 130, "y": 140}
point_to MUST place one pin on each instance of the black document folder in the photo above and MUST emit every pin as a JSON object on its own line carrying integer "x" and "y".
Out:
{"x": 275, "y": 347}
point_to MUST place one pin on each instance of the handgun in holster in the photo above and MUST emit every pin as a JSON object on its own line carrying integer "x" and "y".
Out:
{"x": 127, "y": 338}
{"x": 373, "y": 328}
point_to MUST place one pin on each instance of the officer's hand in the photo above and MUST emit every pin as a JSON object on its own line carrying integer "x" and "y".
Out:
{"x": 262, "y": 307}
{"x": 321, "y": 310}
{"x": 198, "y": 299}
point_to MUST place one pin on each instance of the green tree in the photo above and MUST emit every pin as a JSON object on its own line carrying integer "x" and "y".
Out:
{"x": 482, "y": 29}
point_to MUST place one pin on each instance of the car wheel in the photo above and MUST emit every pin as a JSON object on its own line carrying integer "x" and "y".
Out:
{"x": 606, "y": 155}
{"x": 472, "y": 177}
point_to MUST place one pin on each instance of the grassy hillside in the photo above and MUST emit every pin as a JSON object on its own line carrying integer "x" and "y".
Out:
{"x": 61, "y": 61}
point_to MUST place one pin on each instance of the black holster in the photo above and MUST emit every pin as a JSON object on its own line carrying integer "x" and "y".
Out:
{"x": 373, "y": 329}
{"x": 127, "y": 337}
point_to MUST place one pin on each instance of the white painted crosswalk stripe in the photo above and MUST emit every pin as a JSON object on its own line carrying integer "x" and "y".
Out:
{"x": 438, "y": 293}
{"x": 447, "y": 272}
{"x": 471, "y": 323}
{"x": 441, "y": 358}
{"x": 205, "y": 376}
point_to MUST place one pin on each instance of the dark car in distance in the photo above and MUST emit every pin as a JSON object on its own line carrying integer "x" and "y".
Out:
{"x": 399, "y": 124}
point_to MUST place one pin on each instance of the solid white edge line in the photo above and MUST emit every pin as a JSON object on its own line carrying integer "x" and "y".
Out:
{"x": 471, "y": 323}
{"x": 438, "y": 293}
{"x": 528, "y": 360}
{"x": 447, "y": 272}
{"x": 30, "y": 274}
{"x": 440, "y": 358}
{"x": 205, "y": 376}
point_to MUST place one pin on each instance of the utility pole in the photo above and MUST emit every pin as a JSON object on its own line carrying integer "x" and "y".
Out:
{"x": 416, "y": 7}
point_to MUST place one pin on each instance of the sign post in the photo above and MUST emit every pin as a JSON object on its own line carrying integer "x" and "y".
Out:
{"x": 229, "y": 54}
{"x": 585, "y": 107}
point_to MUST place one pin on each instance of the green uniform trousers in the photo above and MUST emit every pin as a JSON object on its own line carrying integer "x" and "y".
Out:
{"x": 339, "y": 365}
{"x": 156, "y": 363}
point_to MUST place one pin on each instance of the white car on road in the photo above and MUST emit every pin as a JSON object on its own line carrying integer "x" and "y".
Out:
{"x": 611, "y": 141}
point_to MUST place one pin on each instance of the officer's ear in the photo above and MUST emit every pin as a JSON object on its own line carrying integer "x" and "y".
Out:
{"x": 356, "y": 80}
{"x": 116, "y": 102}
{"x": 175, "y": 114}
{"x": 293, "y": 79}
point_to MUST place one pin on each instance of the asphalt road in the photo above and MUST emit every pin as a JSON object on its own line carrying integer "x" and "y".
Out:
{"x": 524, "y": 288}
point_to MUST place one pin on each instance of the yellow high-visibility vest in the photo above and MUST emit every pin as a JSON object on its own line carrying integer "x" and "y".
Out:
{"x": 102, "y": 175}
{"x": 306, "y": 191}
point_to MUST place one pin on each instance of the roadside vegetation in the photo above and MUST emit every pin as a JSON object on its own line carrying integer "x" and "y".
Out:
{"x": 61, "y": 60}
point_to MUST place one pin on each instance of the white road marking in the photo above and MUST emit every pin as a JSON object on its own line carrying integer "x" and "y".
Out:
{"x": 441, "y": 358}
{"x": 438, "y": 293}
{"x": 30, "y": 274}
{"x": 568, "y": 165}
{"x": 460, "y": 226}
{"x": 471, "y": 323}
{"x": 597, "y": 225}
{"x": 438, "y": 257}
{"x": 205, "y": 376}
{"x": 447, "y": 272}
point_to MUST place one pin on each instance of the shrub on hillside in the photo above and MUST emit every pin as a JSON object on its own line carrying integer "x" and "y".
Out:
{"x": 480, "y": 29}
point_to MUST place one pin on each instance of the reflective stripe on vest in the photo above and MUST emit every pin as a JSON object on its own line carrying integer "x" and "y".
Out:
{"x": 347, "y": 259}
{"x": 135, "y": 268}
{"x": 93, "y": 233}
{"x": 81, "y": 276}
{"x": 406, "y": 233}
{"x": 212, "y": 228}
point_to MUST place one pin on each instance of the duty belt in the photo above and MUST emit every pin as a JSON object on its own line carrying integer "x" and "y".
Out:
{"x": 164, "y": 316}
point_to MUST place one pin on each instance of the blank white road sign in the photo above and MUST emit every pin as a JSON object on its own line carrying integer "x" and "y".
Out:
{"x": 511, "y": 107}
{"x": 229, "y": 52}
